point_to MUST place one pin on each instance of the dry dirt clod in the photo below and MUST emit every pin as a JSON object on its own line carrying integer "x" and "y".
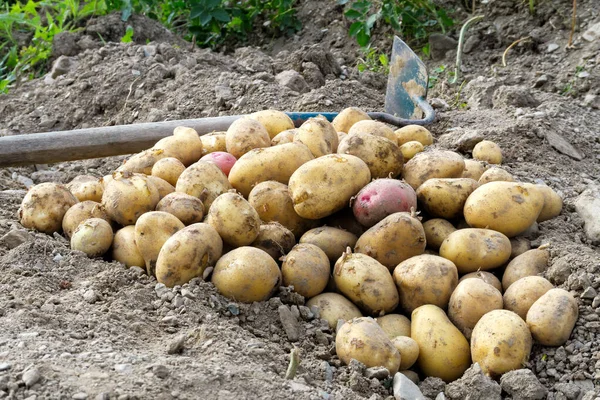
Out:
{"x": 405, "y": 389}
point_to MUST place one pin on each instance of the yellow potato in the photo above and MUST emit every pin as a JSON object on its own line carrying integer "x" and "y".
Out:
{"x": 552, "y": 203}
{"x": 306, "y": 268}
{"x": 333, "y": 307}
{"x": 445, "y": 197}
{"x": 394, "y": 325}
{"x": 185, "y": 145}
{"x": 246, "y": 274}
{"x": 408, "y": 349}
{"x": 188, "y": 209}
{"x": 443, "y": 350}
{"x": 79, "y": 212}
{"x": 125, "y": 250}
{"x": 530, "y": 263}
{"x": 487, "y": 151}
{"x": 275, "y": 239}
{"x": 474, "y": 249}
{"x": 521, "y": 295}
{"x": 348, "y": 117}
{"x": 204, "y": 180}
{"x": 151, "y": 231}
{"x": 93, "y": 237}
{"x": 168, "y": 169}
{"x": 86, "y": 187}
{"x": 284, "y": 137}
{"x": 44, "y": 207}
{"x": 410, "y": 149}
{"x": 432, "y": 164}
{"x": 495, "y": 174}
{"x": 274, "y": 121}
{"x": 519, "y": 245}
{"x": 142, "y": 163}
{"x": 333, "y": 241}
{"x": 411, "y": 133}
{"x": 212, "y": 142}
{"x": 318, "y": 135}
{"x": 234, "y": 218}
{"x": 382, "y": 156}
{"x": 244, "y": 135}
{"x": 105, "y": 180}
{"x": 341, "y": 136}
{"x": 473, "y": 169}
{"x": 552, "y": 317}
{"x": 374, "y": 128}
{"x": 436, "y": 231}
{"x": 425, "y": 279}
{"x": 164, "y": 187}
{"x": 128, "y": 196}
{"x": 485, "y": 276}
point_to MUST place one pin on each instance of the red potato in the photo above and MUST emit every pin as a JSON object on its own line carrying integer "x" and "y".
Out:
{"x": 381, "y": 198}
{"x": 223, "y": 160}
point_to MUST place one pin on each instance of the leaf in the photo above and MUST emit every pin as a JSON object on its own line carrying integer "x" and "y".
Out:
{"x": 221, "y": 15}
{"x": 126, "y": 10}
{"x": 197, "y": 11}
{"x": 371, "y": 20}
{"x": 205, "y": 19}
{"x": 352, "y": 14}
{"x": 363, "y": 38}
{"x": 354, "y": 28}
{"x": 210, "y": 4}
{"x": 128, "y": 37}
{"x": 383, "y": 59}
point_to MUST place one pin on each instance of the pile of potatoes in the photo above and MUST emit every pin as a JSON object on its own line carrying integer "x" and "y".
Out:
{"x": 410, "y": 252}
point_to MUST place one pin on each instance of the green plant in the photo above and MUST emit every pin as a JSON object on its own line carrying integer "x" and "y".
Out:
{"x": 436, "y": 75}
{"x": 128, "y": 37}
{"x": 372, "y": 60}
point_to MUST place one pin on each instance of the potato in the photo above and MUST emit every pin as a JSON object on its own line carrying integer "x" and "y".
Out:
{"x": 284, "y": 137}
{"x": 333, "y": 307}
{"x": 212, "y": 142}
{"x": 341, "y": 136}
{"x": 348, "y": 117}
{"x": 44, "y": 207}
{"x": 234, "y": 218}
{"x": 105, "y": 180}
{"x": 471, "y": 300}
{"x": 187, "y": 253}
{"x": 374, "y": 128}
{"x": 325, "y": 185}
{"x": 204, "y": 180}
{"x": 519, "y": 245}
{"x": 382, "y": 197}
{"x": 475, "y": 249}
{"x": 143, "y": 162}
{"x": 273, "y": 203}
{"x": 443, "y": 350}
{"x": 411, "y": 133}
{"x": 473, "y": 169}
{"x": 274, "y": 121}
{"x": 306, "y": 268}
{"x": 495, "y": 174}
{"x": 151, "y": 231}
{"x": 344, "y": 219}
{"x": 425, "y": 279}
{"x": 333, "y": 241}
{"x": 521, "y": 295}
{"x": 366, "y": 282}
{"x": 86, "y": 187}
{"x": 79, "y": 212}
{"x": 530, "y": 263}
{"x": 506, "y": 207}
{"x": 164, "y": 187}
{"x": 188, "y": 209}
{"x": 246, "y": 274}
{"x": 244, "y": 135}
{"x": 436, "y": 231}
{"x": 168, "y": 169}
{"x": 392, "y": 240}
{"x": 485, "y": 276}
{"x": 275, "y": 239}
{"x": 487, "y": 151}
{"x": 500, "y": 342}
{"x": 445, "y": 197}
{"x": 224, "y": 160}
{"x": 93, "y": 237}
{"x": 411, "y": 149}
{"x": 382, "y": 156}
{"x": 185, "y": 145}
{"x": 394, "y": 325}
{"x": 432, "y": 164}
{"x": 125, "y": 250}
{"x": 552, "y": 203}
{"x": 552, "y": 317}
{"x": 128, "y": 196}
{"x": 270, "y": 164}
{"x": 363, "y": 340}
{"x": 408, "y": 349}
{"x": 318, "y": 135}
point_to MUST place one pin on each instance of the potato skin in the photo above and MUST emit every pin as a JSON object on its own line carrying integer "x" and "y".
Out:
{"x": 333, "y": 241}
{"x": 374, "y": 128}
{"x": 284, "y": 137}
{"x": 425, "y": 279}
{"x": 128, "y": 196}
{"x": 473, "y": 169}
{"x": 275, "y": 239}
{"x": 382, "y": 156}
{"x": 79, "y": 212}
{"x": 152, "y": 230}
{"x": 382, "y": 197}
{"x": 325, "y": 185}
{"x": 348, "y": 117}
{"x": 363, "y": 340}
{"x": 488, "y": 151}
{"x": 125, "y": 250}
{"x": 394, "y": 325}
{"x": 185, "y": 145}
{"x": 333, "y": 307}
{"x": 519, "y": 245}
{"x": 164, "y": 187}
{"x": 244, "y": 135}
{"x": 168, "y": 169}
{"x": 93, "y": 237}
{"x": 495, "y": 174}
{"x": 445, "y": 197}
{"x": 530, "y": 263}
{"x": 214, "y": 141}
{"x": 473, "y": 249}
{"x": 552, "y": 317}
{"x": 552, "y": 203}
{"x": 409, "y": 351}
{"x": 86, "y": 187}
{"x": 307, "y": 268}
{"x": 188, "y": 209}
{"x": 410, "y": 133}
{"x": 411, "y": 149}
{"x": 500, "y": 342}
{"x": 246, "y": 274}
{"x": 235, "y": 219}
{"x": 432, "y": 164}
{"x": 142, "y": 162}
{"x": 274, "y": 121}
{"x": 485, "y": 276}
{"x": 521, "y": 295}
{"x": 44, "y": 207}
{"x": 318, "y": 135}
{"x": 436, "y": 231}
{"x": 204, "y": 180}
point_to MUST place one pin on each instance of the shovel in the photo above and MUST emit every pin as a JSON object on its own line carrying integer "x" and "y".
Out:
{"x": 405, "y": 104}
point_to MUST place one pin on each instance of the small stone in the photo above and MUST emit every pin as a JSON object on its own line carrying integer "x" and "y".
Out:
{"x": 15, "y": 238}
{"x": 103, "y": 396}
{"x": 62, "y": 66}
{"x": 5, "y": 366}
{"x": 474, "y": 385}
{"x": 161, "y": 371}
{"x": 176, "y": 345}
{"x": 57, "y": 258}
{"x": 439, "y": 104}
{"x": 80, "y": 396}
{"x": 25, "y": 181}
{"x": 562, "y": 146}
{"x": 149, "y": 50}
{"x": 405, "y": 389}
{"x": 570, "y": 390}
{"x": 539, "y": 82}
{"x": 292, "y": 80}
{"x": 412, "y": 375}
{"x": 290, "y": 324}
{"x": 377, "y": 373}
{"x": 468, "y": 140}
{"x": 431, "y": 386}
{"x": 583, "y": 74}
{"x": 587, "y": 206}
{"x": 592, "y": 33}
{"x": 160, "y": 289}
{"x": 552, "y": 47}
{"x": 31, "y": 377}
{"x": 188, "y": 294}
{"x": 596, "y": 302}
{"x": 90, "y": 296}
{"x": 589, "y": 293}
{"x": 299, "y": 387}
{"x": 440, "y": 44}
{"x": 124, "y": 368}
{"x": 522, "y": 384}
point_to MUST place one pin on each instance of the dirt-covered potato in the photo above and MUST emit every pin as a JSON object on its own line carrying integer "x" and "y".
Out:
{"x": 188, "y": 209}
{"x": 366, "y": 282}
{"x": 187, "y": 253}
{"x": 333, "y": 241}
{"x": 204, "y": 180}
{"x": 270, "y": 164}
{"x": 325, "y": 185}
{"x": 473, "y": 169}
{"x": 374, "y": 128}
{"x": 445, "y": 197}
{"x": 552, "y": 203}
{"x": 125, "y": 250}
{"x": 410, "y": 133}
{"x": 128, "y": 196}
{"x": 519, "y": 245}
{"x": 234, "y": 218}
{"x": 531, "y": 263}
{"x": 487, "y": 151}
{"x": 318, "y": 135}
{"x": 142, "y": 163}
{"x": 164, "y": 187}
{"x": 224, "y": 160}
{"x": 432, "y": 164}
{"x": 443, "y": 350}
{"x": 79, "y": 212}
{"x": 284, "y": 137}
{"x": 44, "y": 207}
{"x": 436, "y": 231}
{"x": 475, "y": 249}
{"x": 425, "y": 279}
{"x": 168, "y": 169}
{"x": 552, "y": 317}
{"x": 382, "y": 156}
{"x": 151, "y": 231}
{"x": 408, "y": 349}
{"x": 506, "y": 207}
{"x": 500, "y": 342}
{"x": 382, "y": 197}
{"x": 274, "y": 121}
{"x": 495, "y": 174}
{"x": 214, "y": 141}
{"x": 392, "y": 240}
{"x": 246, "y": 274}
{"x": 244, "y": 135}
{"x": 333, "y": 307}
{"x": 394, "y": 325}
{"x": 348, "y": 117}
{"x": 485, "y": 276}
{"x": 521, "y": 295}
{"x": 471, "y": 300}
{"x": 185, "y": 145}
{"x": 411, "y": 149}
{"x": 105, "y": 180}
{"x": 363, "y": 339}
{"x": 93, "y": 236}
{"x": 275, "y": 239}
{"x": 306, "y": 268}
{"x": 86, "y": 187}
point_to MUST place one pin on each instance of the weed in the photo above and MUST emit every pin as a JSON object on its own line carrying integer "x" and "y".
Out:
{"x": 436, "y": 75}
{"x": 372, "y": 60}
{"x": 128, "y": 37}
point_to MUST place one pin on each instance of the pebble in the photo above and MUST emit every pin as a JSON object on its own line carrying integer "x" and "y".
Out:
{"x": 377, "y": 373}
{"x": 587, "y": 206}
{"x": 290, "y": 323}
{"x": 176, "y": 345}
{"x": 160, "y": 371}
{"x": 552, "y": 47}
{"x": 474, "y": 384}
{"x": 596, "y": 302}
{"x": 90, "y": 296}
{"x": 188, "y": 294}
{"x": 124, "y": 368}
{"x": 25, "y": 181}
{"x": 15, "y": 238}
{"x": 102, "y": 396}
{"x": 160, "y": 289}
{"x": 57, "y": 258}
{"x": 583, "y": 74}
{"x": 589, "y": 293}
{"x": 522, "y": 384}
{"x": 405, "y": 389}
{"x": 80, "y": 396}
{"x": 31, "y": 377}
{"x": 5, "y": 366}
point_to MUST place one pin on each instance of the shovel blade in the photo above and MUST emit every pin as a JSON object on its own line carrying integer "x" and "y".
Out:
{"x": 407, "y": 81}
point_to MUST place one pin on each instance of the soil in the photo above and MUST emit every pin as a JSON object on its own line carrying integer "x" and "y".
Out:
{"x": 72, "y": 327}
